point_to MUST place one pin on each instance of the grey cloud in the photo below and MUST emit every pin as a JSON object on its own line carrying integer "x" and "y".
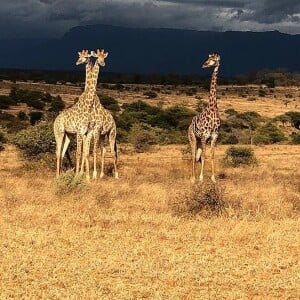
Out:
{"x": 45, "y": 18}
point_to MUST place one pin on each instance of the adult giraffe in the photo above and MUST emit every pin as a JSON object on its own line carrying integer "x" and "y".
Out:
{"x": 206, "y": 124}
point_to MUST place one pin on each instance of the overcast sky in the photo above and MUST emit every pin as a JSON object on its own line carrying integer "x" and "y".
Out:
{"x": 52, "y": 18}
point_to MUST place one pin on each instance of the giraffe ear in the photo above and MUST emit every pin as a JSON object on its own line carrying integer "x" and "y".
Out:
{"x": 79, "y": 53}
{"x": 105, "y": 54}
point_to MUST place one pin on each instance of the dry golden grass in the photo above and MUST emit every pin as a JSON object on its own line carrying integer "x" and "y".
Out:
{"x": 123, "y": 239}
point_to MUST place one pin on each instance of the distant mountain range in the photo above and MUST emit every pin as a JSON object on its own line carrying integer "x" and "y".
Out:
{"x": 177, "y": 51}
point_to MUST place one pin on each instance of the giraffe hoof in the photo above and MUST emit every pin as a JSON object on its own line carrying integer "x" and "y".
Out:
{"x": 201, "y": 179}
{"x": 95, "y": 175}
{"x": 101, "y": 175}
{"x": 213, "y": 179}
{"x": 193, "y": 180}
{"x": 116, "y": 175}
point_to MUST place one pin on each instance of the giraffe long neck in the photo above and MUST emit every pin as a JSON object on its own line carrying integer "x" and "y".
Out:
{"x": 88, "y": 69}
{"x": 213, "y": 89}
{"x": 92, "y": 85}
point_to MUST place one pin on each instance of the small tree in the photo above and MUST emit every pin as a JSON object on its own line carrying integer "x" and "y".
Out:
{"x": 238, "y": 156}
{"x": 268, "y": 134}
{"x": 35, "y": 116}
{"x": 22, "y": 116}
{"x": 142, "y": 137}
{"x": 57, "y": 104}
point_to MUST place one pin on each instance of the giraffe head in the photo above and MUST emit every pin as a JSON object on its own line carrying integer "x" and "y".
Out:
{"x": 83, "y": 57}
{"x": 100, "y": 55}
{"x": 212, "y": 61}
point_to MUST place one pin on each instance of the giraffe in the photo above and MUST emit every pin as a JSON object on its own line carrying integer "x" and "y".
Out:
{"x": 76, "y": 119}
{"x": 103, "y": 125}
{"x": 206, "y": 124}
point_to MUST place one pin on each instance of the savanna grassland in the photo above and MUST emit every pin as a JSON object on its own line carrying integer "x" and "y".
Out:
{"x": 139, "y": 237}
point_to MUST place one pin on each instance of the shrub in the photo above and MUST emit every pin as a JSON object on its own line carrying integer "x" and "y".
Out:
{"x": 57, "y": 104}
{"x": 150, "y": 94}
{"x": 231, "y": 112}
{"x": 35, "y": 141}
{"x": 295, "y": 118}
{"x": 6, "y": 102}
{"x": 142, "y": 137}
{"x": 35, "y": 116}
{"x": 22, "y": 116}
{"x": 205, "y": 199}
{"x": 295, "y": 138}
{"x": 109, "y": 103}
{"x": 268, "y": 134}
{"x": 261, "y": 93}
{"x": 3, "y": 135}
{"x": 67, "y": 183}
{"x": 238, "y": 156}
{"x": 200, "y": 105}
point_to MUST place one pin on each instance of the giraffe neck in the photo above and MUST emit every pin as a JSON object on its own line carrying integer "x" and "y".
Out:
{"x": 88, "y": 69}
{"x": 92, "y": 85}
{"x": 213, "y": 89}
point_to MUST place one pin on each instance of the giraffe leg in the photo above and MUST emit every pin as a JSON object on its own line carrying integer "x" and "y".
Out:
{"x": 59, "y": 141}
{"x": 212, "y": 156}
{"x": 96, "y": 141}
{"x": 78, "y": 152}
{"x": 193, "y": 143}
{"x": 102, "y": 138}
{"x": 86, "y": 152}
{"x": 203, "y": 153}
{"x": 65, "y": 147}
{"x": 114, "y": 150}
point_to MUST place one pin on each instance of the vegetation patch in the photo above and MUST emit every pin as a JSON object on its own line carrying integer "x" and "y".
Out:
{"x": 67, "y": 183}
{"x": 239, "y": 156}
{"x": 204, "y": 199}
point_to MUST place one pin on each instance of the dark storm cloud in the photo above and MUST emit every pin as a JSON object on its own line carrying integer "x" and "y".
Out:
{"x": 19, "y": 18}
{"x": 273, "y": 11}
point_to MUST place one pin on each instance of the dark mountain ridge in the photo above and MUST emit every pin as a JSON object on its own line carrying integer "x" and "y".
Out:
{"x": 133, "y": 50}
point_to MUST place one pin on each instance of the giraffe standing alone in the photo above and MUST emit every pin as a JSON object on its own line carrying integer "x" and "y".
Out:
{"x": 206, "y": 124}
{"x": 76, "y": 119}
{"x": 103, "y": 125}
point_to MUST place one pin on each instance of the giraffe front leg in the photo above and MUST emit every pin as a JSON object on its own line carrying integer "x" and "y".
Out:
{"x": 96, "y": 140}
{"x": 102, "y": 155}
{"x": 78, "y": 153}
{"x": 212, "y": 156}
{"x": 114, "y": 151}
{"x": 202, "y": 156}
{"x": 193, "y": 144}
{"x": 59, "y": 141}
{"x": 86, "y": 152}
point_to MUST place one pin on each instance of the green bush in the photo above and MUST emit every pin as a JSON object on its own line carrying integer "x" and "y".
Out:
{"x": 35, "y": 116}
{"x": 295, "y": 118}
{"x": 6, "y": 102}
{"x": 68, "y": 183}
{"x": 3, "y": 135}
{"x": 142, "y": 136}
{"x": 35, "y": 141}
{"x": 109, "y": 103}
{"x": 238, "y": 156}
{"x": 22, "y": 116}
{"x": 268, "y": 134}
{"x": 295, "y": 138}
{"x": 150, "y": 94}
{"x": 57, "y": 104}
